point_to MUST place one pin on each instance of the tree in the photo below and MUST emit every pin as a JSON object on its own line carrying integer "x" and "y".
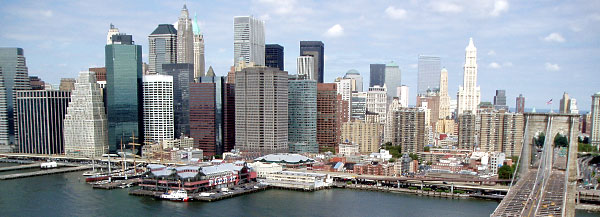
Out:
{"x": 394, "y": 150}
{"x": 413, "y": 156}
{"x": 427, "y": 148}
{"x": 505, "y": 172}
{"x": 539, "y": 141}
{"x": 392, "y": 160}
{"x": 561, "y": 141}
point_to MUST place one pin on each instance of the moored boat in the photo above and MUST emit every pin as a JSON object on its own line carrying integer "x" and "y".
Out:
{"x": 179, "y": 195}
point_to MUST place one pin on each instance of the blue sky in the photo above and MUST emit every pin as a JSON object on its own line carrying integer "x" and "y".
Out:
{"x": 539, "y": 48}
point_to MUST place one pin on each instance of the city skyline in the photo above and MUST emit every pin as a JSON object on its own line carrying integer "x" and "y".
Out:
{"x": 548, "y": 45}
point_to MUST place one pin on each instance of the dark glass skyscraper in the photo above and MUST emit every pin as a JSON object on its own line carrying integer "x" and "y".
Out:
{"x": 302, "y": 116}
{"x": 274, "y": 56}
{"x": 500, "y": 100}
{"x": 183, "y": 75}
{"x": 316, "y": 49}
{"x": 124, "y": 92}
{"x": 377, "y": 75}
{"x": 40, "y": 118}
{"x": 14, "y": 78}
{"x": 210, "y": 116}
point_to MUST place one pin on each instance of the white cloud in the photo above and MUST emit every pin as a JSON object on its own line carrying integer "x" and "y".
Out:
{"x": 552, "y": 67}
{"x": 264, "y": 17}
{"x": 554, "y": 37}
{"x": 281, "y": 7}
{"x": 395, "y": 13}
{"x": 494, "y": 65}
{"x": 47, "y": 13}
{"x": 491, "y": 53}
{"x": 507, "y": 64}
{"x": 446, "y": 7}
{"x": 499, "y": 7}
{"x": 335, "y": 31}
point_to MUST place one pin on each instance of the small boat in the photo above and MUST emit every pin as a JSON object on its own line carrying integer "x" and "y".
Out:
{"x": 179, "y": 195}
{"x": 95, "y": 178}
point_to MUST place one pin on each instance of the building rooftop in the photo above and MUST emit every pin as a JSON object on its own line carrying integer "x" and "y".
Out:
{"x": 284, "y": 158}
{"x": 164, "y": 29}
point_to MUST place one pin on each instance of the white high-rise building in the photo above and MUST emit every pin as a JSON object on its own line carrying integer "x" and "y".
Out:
{"x": 469, "y": 93}
{"x": 444, "y": 111}
{"x": 402, "y": 93}
{"x": 158, "y": 107}
{"x": 377, "y": 101}
{"x": 112, "y": 31}
{"x": 595, "y": 120}
{"x": 185, "y": 38}
{"x": 393, "y": 78}
{"x": 573, "y": 106}
{"x": 199, "y": 62}
{"x": 249, "y": 40}
{"x": 344, "y": 88}
{"x": 85, "y": 125}
{"x": 306, "y": 67}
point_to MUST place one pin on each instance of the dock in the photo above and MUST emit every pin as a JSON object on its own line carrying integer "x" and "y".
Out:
{"x": 45, "y": 172}
{"x": 216, "y": 194}
{"x": 117, "y": 184}
{"x": 403, "y": 190}
{"x": 20, "y": 167}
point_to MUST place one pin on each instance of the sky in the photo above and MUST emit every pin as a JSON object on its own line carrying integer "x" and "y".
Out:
{"x": 537, "y": 48}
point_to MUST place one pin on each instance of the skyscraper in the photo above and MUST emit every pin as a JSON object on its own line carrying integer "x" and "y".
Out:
{"x": 40, "y": 115}
{"x": 36, "y": 83}
{"x": 357, "y": 84}
{"x": 124, "y": 92}
{"x": 595, "y": 120}
{"x": 100, "y": 73}
{"x": 564, "y": 104}
{"x": 500, "y": 100}
{"x": 208, "y": 112}
{"x": 163, "y": 47}
{"x": 302, "y": 115}
{"x": 469, "y": 93}
{"x": 444, "y": 97}
{"x": 393, "y": 79}
{"x": 344, "y": 88}
{"x": 14, "y": 78}
{"x": 185, "y": 37}
{"x": 315, "y": 49}
{"x": 67, "y": 84}
{"x": 199, "y": 62}
{"x": 403, "y": 94}
{"x": 261, "y": 110}
{"x": 111, "y": 31}
{"x": 468, "y": 130}
{"x": 367, "y": 134}
{"x": 274, "y": 56}
{"x": 520, "y": 104}
{"x": 377, "y": 101}
{"x": 183, "y": 75}
{"x": 85, "y": 125}
{"x": 158, "y": 107}
{"x": 428, "y": 74}
{"x": 408, "y": 129}
{"x": 248, "y": 40}
{"x": 377, "y": 75}
{"x": 306, "y": 67}
{"x": 329, "y": 121}
{"x": 358, "y": 105}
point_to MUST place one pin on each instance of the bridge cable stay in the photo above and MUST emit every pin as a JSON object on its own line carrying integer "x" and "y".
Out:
{"x": 538, "y": 173}
{"x": 523, "y": 144}
{"x": 565, "y": 196}
{"x": 547, "y": 159}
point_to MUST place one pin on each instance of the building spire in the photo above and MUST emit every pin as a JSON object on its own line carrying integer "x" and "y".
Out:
{"x": 195, "y": 27}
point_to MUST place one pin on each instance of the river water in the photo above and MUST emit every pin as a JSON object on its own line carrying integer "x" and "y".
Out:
{"x": 68, "y": 195}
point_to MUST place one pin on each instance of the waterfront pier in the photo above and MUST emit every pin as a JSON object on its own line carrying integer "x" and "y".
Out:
{"x": 65, "y": 169}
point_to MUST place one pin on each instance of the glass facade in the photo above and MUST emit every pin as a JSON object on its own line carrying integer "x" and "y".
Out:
{"x": 302, "y": 116}
{"x": 124, "y": 94}
{"x": 15, "y": 77}
{"x": 393, "y": 79}
{"x": 274, "y": 56}
{"x": 429, "y": 74}
{"x": 183, "y": 75}
{"x": 377, "y": 75}
{"x": 315, "y": 49}
{"x": 209, "y": 118}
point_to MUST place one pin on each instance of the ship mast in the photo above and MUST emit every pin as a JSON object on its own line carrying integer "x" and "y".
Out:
{"x": 133, "y": 150}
